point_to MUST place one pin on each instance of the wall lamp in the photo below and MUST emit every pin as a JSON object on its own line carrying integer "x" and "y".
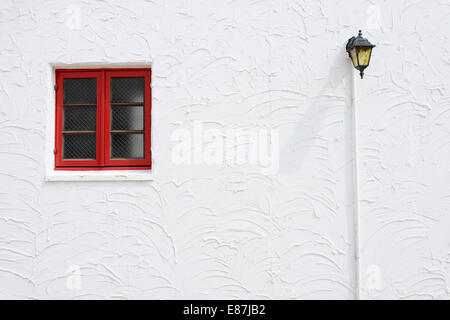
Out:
{"x": 359, "y": 50}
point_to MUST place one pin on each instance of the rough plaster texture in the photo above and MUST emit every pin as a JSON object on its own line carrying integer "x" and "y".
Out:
{"x": 228, "y": 231}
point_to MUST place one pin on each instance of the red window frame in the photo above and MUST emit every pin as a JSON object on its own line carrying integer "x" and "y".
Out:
{"x": 103, "y": 160}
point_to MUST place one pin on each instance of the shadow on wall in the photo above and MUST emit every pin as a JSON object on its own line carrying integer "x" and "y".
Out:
{"x": 307, "y": 133}
{"x": 307, "y": 129}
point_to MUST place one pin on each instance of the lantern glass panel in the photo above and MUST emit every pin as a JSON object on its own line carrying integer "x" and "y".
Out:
{"x": 354, "y": 57}
{"x": 364, "y": 56}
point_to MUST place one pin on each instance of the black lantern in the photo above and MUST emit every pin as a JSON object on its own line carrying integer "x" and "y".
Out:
{"x": 359, "y": 50}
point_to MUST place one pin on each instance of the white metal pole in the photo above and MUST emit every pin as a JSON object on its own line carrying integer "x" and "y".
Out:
{"x": 357, "y": 252}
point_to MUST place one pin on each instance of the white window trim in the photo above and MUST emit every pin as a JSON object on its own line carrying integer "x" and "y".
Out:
{"x": 101, "y": 175}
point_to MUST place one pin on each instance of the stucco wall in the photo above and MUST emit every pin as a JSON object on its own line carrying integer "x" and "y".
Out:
{"x": 228, "y": 230}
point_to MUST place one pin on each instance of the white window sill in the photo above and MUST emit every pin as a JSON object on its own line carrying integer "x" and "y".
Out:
{"x": 113, "y": 175}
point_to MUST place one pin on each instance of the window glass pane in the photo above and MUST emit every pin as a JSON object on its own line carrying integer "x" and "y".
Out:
{"x": 127, "y": 145}
{"x": 80, "y": 91}
{"x": 127, "y": 90}
{"x": 127, "y": 118}
{"x": 79, "y": 146}
{"x": 80, "y": 118}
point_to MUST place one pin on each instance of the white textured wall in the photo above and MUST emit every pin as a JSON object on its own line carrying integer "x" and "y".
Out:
{"x": 199, "y": 231}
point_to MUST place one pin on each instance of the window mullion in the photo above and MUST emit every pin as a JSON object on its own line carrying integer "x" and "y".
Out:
{"x": 102, "y": 128}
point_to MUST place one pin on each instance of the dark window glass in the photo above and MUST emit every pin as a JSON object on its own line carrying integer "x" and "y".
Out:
{"x": 80, "y": 118}
{"x": 127, "y": 145}
{"x": 127, "y": 118}
{"x": 80, "y": 90}
{"x": 79, "y": 146}
{"x": 127, "y": 90}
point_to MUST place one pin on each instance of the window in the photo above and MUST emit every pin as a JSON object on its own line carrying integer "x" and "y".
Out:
{"x": 103, "y": 119}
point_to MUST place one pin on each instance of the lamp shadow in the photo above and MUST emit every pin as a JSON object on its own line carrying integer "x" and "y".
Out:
{"x": 291, "y": 157}
{"x": 308, "y": 129}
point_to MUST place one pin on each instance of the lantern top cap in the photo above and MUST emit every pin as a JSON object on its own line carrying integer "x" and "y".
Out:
{"x": 358, "y": 41}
